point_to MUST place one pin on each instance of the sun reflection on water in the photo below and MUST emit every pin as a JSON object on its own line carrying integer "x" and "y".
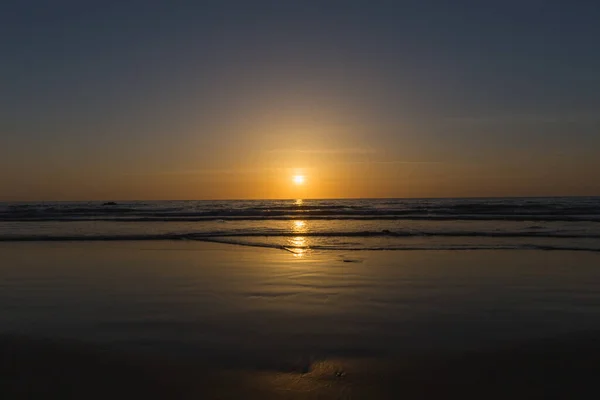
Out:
{"x": 299, "y": 244}
{"x": 299, "y": 226}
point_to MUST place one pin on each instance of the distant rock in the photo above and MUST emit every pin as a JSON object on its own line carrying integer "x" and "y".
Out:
{"x": 110, "y": 203}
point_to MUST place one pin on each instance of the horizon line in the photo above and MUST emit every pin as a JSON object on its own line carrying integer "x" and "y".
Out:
{"x": 306, "y": 198}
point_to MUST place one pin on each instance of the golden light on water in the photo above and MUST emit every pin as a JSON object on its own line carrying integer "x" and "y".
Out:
{"x": 299, "y": 244}
{"x": 299, "y": 226}
{"x": 299, "y": 253}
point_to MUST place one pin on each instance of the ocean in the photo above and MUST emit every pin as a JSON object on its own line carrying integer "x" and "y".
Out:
{"x": 301, "y": 226}
{"x": 365, "y": 298}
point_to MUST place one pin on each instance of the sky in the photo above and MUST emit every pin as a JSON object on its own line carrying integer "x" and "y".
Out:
{"x": 123, "y": 100}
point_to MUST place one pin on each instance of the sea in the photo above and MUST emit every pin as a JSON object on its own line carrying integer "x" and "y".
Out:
{"x": 265, "y": 283}
{"x": 303, "y": 226}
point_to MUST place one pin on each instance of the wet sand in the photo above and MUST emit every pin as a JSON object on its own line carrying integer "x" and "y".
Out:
{"x": 197, "y": 320}
{"x": 563, "y": 367}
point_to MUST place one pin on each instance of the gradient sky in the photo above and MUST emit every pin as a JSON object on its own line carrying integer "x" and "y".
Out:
{"x": 229, "y": 99}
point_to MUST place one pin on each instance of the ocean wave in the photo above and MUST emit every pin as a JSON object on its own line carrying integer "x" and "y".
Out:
{"x": 544, "y": 209}
{"x": 456, "y": 247}
{"x": 288, "y": 234}
{"x": 302, "y": 249}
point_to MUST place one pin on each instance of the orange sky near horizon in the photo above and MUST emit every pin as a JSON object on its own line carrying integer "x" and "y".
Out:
{"x": 327, "y": 176}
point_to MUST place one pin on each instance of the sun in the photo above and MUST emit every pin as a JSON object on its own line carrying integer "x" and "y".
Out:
{"x": 298, "y": 179}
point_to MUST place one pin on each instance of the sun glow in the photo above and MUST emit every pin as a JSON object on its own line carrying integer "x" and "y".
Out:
{"x": 298, "y": 179}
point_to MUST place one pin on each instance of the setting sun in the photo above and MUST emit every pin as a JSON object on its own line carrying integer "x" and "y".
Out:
{"x": 298, "y": 179}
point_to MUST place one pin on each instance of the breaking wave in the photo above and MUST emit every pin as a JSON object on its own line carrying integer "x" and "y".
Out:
{"x": 545, "y": 209}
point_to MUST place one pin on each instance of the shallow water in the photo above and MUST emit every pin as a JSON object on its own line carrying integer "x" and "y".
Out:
{"x": 303, "y": 225}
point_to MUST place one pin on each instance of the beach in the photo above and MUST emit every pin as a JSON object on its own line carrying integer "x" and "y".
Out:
{"x": 189, "y": 318}
{"x": 299, "y": 200}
